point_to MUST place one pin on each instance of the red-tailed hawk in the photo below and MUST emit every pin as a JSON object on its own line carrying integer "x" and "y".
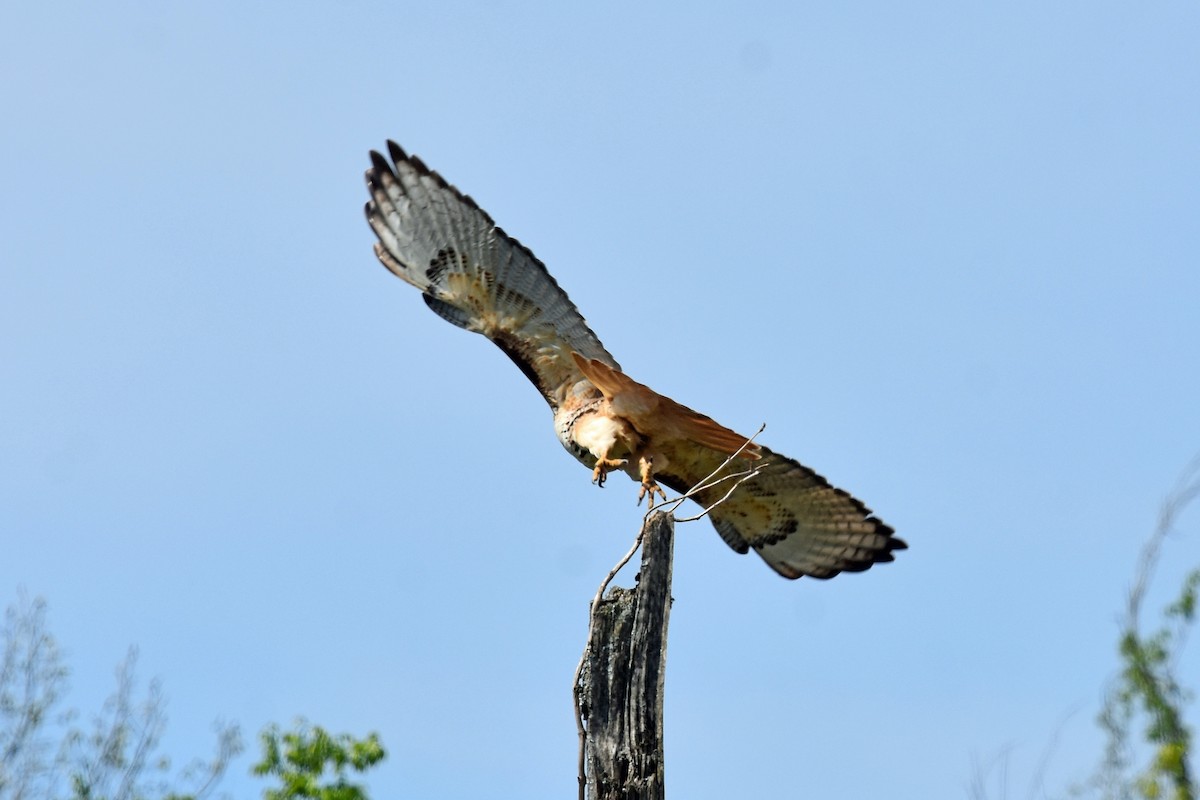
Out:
{"x": 471, "y": 273}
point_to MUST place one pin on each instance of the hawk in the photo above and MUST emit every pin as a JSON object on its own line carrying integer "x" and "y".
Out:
{"x": 474, "y": 275}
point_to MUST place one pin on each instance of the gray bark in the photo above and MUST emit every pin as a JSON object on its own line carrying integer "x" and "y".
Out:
{"x": 621, "y": 683}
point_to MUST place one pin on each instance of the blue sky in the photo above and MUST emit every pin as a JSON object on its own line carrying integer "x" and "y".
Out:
{"x": 947, "y": 252}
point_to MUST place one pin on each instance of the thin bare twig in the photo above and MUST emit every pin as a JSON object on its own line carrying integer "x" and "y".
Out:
{"x": 701, "y": 487}
{"x": 742, "y": 477}
{"x": 707, "y": 481}
{"x": 1038, "y": 779}
{"x": 1186, "y": 490}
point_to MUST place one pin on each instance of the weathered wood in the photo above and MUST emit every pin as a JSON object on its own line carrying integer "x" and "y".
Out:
{"x": 621, "y": 682}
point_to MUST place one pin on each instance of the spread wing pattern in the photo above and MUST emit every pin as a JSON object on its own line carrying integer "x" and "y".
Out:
{"x": 788, "y": 514}
{"x": 473, "y": 274}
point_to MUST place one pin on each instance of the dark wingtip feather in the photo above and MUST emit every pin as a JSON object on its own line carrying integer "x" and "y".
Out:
{"x": 396, "y": 152}
{"x": 379, "y": 166}
{"x": 399, "y": 156}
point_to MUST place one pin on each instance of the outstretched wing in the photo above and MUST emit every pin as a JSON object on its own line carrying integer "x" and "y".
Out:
{"x": 473, "y": 274}
{"x": 787, "y": 513}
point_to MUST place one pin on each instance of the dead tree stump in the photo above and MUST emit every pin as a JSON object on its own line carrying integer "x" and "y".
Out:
{"x": 620, "y": 691}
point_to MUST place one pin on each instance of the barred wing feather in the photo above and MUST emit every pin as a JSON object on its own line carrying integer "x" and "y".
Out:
{"x": 473, "y": 274}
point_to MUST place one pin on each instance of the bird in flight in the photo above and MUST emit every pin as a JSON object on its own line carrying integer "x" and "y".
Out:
{"x": 474, "y": 275}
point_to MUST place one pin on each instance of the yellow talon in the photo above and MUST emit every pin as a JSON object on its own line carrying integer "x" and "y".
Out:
{"x": 603, "y": 465}
{"x": 649, "y": 487}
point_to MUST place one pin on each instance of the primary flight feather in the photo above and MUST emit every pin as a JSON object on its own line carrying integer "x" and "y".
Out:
{"x": 474, "y": 275}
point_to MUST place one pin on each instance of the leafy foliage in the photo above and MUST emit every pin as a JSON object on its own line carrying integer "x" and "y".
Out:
{"x": 116, "y": 759}
{"x": 311, "y": 764}
{"x": 1148, "y": 685}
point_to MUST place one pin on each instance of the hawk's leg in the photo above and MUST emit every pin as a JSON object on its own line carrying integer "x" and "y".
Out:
{"x": 649, "y": 487}
{"x": 603, "y": 465}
